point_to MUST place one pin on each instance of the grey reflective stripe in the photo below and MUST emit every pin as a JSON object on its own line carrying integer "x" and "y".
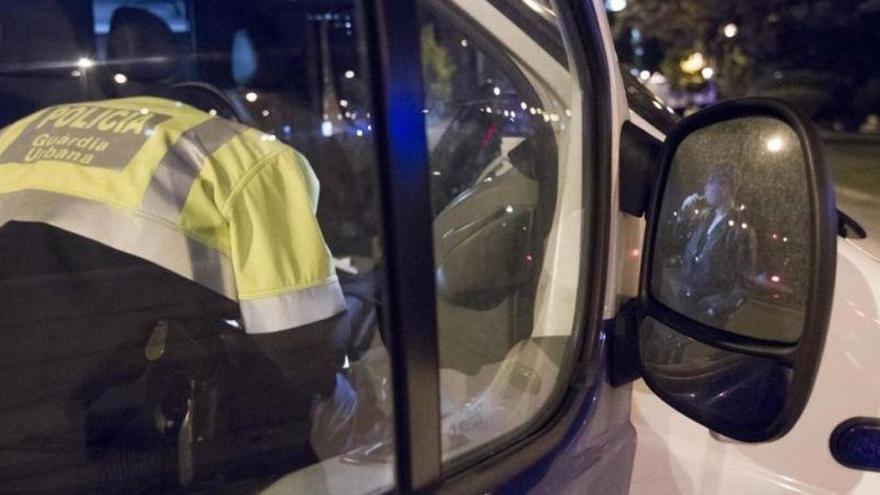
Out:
{"x": 292, "y": 309}
{"x": 126, "y": 231}
{"x": 175, "y": 174}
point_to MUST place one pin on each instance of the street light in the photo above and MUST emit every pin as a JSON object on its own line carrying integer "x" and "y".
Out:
{"x": 695, "y": 62}
{"x": 730, "y": 30}
{"x": 707, "y": 73}
{"x": 775, "y": 144}
{"x": 615, "y": 5}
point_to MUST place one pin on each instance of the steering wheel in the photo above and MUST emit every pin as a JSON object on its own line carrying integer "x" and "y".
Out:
{"x": 205, "y": 97}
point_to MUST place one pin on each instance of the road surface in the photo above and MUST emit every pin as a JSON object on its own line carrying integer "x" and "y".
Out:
{"x": 855, "y": 164}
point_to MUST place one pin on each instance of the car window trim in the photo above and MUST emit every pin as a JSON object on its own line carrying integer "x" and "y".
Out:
{"x": 542, "y": 31}
{"x": 527, "y": 458}
{"x": 515, "y": 460}
{"x": 404, "y": 184}
{"x": 484, "y": 40}
{"x": 413, "y": 328}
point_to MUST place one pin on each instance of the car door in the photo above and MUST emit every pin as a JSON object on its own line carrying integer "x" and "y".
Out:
{"x": 517, "y": 108}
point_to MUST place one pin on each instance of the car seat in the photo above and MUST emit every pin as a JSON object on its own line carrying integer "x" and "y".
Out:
{"x": 142, "y": 47}
{"x": 76, "y": 326}
{"x": 118, "y": 372}
{"x": 42, "y": 42}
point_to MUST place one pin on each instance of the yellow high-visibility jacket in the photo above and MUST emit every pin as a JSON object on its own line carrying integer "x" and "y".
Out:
{"x": 224, "y": 205}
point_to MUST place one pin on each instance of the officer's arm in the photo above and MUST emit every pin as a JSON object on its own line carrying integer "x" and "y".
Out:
{"x": 284, "y": 271}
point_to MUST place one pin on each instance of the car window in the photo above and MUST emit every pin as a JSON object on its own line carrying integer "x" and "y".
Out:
{"x": 503, "y": 123}
{"x": 189, "y": 250}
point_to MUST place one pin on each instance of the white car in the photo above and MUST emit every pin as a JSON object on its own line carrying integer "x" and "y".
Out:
{"x": 677, "y": 456}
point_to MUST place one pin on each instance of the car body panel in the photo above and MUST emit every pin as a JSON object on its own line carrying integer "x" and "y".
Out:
{"x": 676, "y": 455}
{"x": 597, "y": 453}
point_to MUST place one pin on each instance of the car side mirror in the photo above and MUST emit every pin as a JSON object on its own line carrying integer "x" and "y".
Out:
{"x": 738, "y": 274}
{"x": 484, "y": 239}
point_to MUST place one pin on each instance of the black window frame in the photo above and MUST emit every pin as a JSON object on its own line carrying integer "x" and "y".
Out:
{"x": 408, "y": 239}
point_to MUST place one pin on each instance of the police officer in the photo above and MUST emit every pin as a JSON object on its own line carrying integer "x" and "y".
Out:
{"x": 221, "y": 204}
{"x": 224, "y": 205}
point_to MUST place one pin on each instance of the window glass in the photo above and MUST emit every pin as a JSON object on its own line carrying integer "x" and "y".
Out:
{"x": 503, "y": 124}
{"x": 189, "y": 250}
{"x": 733, "y": 247}
{"x": 172, "y": 12}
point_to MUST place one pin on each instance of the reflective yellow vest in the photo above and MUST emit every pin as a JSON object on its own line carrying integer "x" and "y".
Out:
{"x": 224, "y": 205}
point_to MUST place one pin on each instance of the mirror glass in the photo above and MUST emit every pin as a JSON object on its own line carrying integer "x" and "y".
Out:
{"x": 728, "y": 391}
{"x": 732, "y": 248}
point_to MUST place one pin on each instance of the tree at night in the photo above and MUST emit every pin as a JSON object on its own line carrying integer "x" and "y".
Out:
{"x": 819, "y": 54}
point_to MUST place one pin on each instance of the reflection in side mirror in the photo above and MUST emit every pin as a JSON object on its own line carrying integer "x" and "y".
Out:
{"x": 732, "y": 247}
{"x": 483, "y": 241}
{"x": 501, "y": 243}
{"x": 745, "y": 393}
{"x": 737, "y": 279}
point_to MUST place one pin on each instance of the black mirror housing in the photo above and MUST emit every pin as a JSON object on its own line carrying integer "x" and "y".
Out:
{"x": 698, "y": 346}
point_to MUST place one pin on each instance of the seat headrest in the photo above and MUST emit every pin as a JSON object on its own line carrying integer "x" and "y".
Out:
{"x": 141, "y": 45}
{"x": 68, "y": 23}
{"x": 245, "y": 58}
{"x": 257, "y": 61}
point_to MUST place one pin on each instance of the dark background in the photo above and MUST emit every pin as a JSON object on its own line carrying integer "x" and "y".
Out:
{"x": 819, "y": 54}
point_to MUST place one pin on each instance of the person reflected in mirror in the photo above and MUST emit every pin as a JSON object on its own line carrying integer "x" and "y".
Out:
{"x": 719, "y": 257}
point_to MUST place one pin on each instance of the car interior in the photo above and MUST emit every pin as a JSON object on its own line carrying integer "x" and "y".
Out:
{"x": 132, "y": 374}
{"x": 133, "y": 378}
